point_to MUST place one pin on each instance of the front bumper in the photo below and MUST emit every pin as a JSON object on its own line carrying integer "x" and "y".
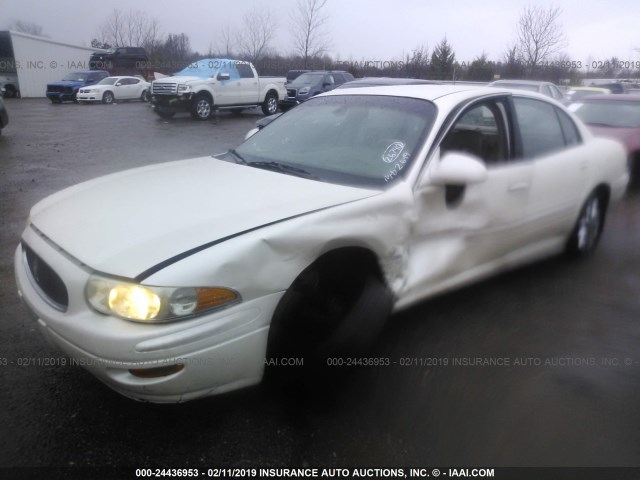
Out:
{"x": 61, "y": 96}
{"x": 172, "y": 103}
{"x": 89, "y": 97}
{"x": 221, "y": 351}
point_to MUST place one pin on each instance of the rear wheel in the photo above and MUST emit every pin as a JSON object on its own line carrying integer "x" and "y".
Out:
{"x": 201, "y": 108}
{"x": 10, "y": 91}
{"x": 586, "y": 233}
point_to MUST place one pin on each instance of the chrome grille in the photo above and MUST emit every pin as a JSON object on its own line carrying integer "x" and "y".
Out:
{"x": 164, "y": 88}
{"x": 45, "y": 280}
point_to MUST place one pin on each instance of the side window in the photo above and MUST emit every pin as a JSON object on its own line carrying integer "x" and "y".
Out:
{"x": 546, "y": 91}
{"x": 569, "y": 129}
{"x": 329, "y": 79}
{"x": 244, "y": 70}
{"x": 133, "y": 81}
{"x": 540, "y": 128}
{"x": 339, "y": 78}
{"x": 479, "y": 131}
{"x": 556, "y": 93}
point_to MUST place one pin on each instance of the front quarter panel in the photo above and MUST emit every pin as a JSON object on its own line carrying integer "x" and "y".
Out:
{"x": 268, "y": 260}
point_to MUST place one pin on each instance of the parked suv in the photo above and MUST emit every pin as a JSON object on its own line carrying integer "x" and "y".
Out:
{"x": 119, "y": 57}
{"x": 310, "y": 84}
{"x": 68, "y": 88}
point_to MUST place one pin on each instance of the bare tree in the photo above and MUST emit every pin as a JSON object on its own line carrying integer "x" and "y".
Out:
{"x": 225, "y": 40}
{"x": 133, "y": 28}
{"x": 308, "y": 25}
{"x": 540, "y": 36}
{"x": 27, "y": 27}
{"x": 418, "y": 62}
{"x": 259, "y": 29}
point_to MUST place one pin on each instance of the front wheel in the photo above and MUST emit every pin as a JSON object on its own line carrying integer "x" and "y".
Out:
{"x": 201, "y": 108}
{"x": 270, "y": 104}
{"x": 145, "y": 97}
{"x": 326, "y": 314}
{"x": 107, "y": 98}
{"x": 586, "y": 233}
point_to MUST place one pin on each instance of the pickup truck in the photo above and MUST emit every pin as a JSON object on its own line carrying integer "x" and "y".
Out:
{"x": 68, "y": 88}
{"x": 216, "y": 83}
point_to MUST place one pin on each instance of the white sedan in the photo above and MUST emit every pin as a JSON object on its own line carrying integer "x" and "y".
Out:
{"x": 112, "y": 89}
{"x": 196, "y": 277}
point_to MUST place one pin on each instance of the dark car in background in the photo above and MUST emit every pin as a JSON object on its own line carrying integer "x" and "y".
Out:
{"x": 293, "y": 74}
{"x": 617, "y": 117}
{"x": 119, "y": 57}
{"x": 310, "y": 84}
{"x": 67, "y": 89}
{"x": 4, "y": 117}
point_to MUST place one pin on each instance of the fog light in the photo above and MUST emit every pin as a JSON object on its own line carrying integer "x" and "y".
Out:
{"x": 156, "y": 372}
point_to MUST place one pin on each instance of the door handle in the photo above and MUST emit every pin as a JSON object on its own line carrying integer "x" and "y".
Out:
{"x": 518, "y": 186}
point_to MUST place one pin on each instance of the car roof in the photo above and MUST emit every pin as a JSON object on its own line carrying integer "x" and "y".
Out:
{"x": 375, "y": 81}
{"x": 435, "y": 92}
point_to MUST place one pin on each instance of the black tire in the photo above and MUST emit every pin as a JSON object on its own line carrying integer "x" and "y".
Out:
{"x": 324, "y": 316}
{"x": 55, "y": 100}
{"x": 270, "y": 104}
{"x": 145, "y": 97}
{"x": 108, "y": 98}
{"x": 10, "y": 91}
{"x": 588, "y": 229}
{"x": 201, "y": 108}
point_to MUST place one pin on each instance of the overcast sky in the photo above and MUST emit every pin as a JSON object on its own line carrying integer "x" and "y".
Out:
{"x": 373, "y": 30}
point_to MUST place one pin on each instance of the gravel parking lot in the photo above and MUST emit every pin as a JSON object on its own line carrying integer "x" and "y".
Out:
{"x": 562, "y": 338}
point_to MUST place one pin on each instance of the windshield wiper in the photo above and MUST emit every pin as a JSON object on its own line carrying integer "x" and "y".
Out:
{"x": 238, "y": 157}
{"x": 284, "y": 168}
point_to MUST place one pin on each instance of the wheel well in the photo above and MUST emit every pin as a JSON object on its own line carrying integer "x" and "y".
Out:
{"x": 358, "y": 260}
{"x": 634, "y": 169}
{"x": 272, "y": 92}
{"x": 204, "y": 93}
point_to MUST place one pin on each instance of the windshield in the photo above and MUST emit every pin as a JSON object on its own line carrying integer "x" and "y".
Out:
{"x": 75, "y": 77}
{"x": 609, "y": 113}
{"x": 108, "y": 81}
{"x": 307, "y": 79}
{"x": 359, "y": 140}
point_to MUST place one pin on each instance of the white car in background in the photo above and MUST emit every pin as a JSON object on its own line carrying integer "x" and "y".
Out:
{"x": 186, "y": 279}
{"x": 113, "y": 89}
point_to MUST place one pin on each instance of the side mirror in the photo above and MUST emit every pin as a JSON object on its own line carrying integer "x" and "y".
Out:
{"x": 457, "y": 168}
{"x": 223, "y": 76}
{"x": 118, "y": 84}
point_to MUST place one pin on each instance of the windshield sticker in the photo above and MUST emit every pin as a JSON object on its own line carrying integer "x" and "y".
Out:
{"x": 397, "y": 167}
{"x": 392, "y": 152}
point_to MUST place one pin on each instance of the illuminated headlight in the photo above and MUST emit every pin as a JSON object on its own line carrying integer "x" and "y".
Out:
{"x": 143, "y": 303}
{"x": 184, "y": 88}
{"x": 303, "y": 91}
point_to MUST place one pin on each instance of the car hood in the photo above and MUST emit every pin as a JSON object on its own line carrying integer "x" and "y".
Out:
{"x": 67, "y": 83}
{"x": 629, "y": 137}
{"x": 125, "y": 223}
